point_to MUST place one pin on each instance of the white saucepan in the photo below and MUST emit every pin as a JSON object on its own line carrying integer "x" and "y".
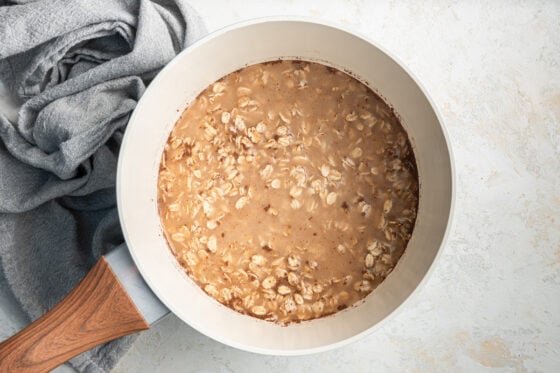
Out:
{"x": 104, "y": 291}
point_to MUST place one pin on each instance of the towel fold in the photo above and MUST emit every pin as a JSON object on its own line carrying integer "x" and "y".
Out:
{"x": 77, "y": 68}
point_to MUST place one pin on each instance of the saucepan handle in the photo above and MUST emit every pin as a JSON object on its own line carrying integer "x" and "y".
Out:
{"x": 96, "y": 311}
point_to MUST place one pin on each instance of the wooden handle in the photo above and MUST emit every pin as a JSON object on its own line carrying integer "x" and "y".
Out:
{"x": 96, "y": 311}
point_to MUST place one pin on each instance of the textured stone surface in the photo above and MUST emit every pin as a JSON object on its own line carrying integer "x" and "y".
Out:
{"x": 493, "y": 301}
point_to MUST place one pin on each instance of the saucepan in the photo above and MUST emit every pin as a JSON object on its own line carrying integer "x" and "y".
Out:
{"x": 113, "y": 300}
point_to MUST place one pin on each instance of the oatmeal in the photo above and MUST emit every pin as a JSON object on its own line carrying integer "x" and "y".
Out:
{"x": 288, "y": 190}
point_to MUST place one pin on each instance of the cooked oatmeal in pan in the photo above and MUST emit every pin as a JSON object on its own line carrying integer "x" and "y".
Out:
{"x": 288, "y": 190}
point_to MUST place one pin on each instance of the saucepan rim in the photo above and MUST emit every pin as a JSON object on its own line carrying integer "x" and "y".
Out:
{"x": 445, "y": 135}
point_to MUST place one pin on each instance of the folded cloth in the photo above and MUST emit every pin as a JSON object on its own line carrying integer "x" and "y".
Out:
{"x": 77, "y": 68}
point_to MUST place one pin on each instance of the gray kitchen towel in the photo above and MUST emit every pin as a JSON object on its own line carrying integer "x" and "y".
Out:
{"x": 77, "y": 68}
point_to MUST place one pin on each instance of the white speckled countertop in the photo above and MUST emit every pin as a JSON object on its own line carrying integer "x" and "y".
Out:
{"x": 493, "y": 302}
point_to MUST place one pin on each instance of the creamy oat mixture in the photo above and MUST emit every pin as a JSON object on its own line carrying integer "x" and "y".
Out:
{"x": 288, "y": 190}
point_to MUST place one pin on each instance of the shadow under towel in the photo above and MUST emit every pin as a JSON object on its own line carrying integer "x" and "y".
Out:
{"x": 77, "y": 68}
